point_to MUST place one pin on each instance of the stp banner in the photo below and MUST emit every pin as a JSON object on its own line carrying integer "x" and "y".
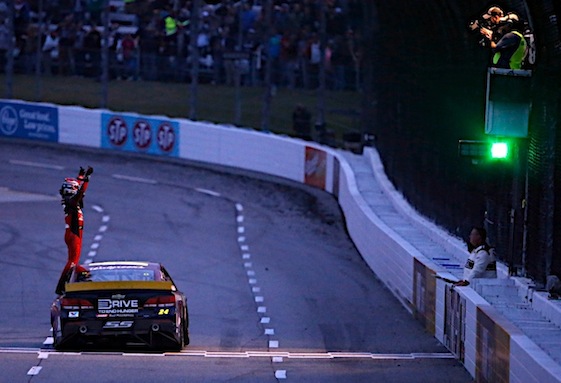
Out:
{"x": 140, "y": 134}
{"x": 29, "y": 121}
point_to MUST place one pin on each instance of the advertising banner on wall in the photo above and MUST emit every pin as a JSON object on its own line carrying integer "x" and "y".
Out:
{"x": 492, "y": 349}
{"x": 315, "y": 167}
{"x": 28, "y": 121}
{"x": 424, "y": 295}
{"x": 140, "y": 134}
{"x": 454, "y": 323}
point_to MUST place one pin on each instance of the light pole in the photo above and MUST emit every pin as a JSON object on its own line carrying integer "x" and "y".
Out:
{"x": 105, "y": 55}
{"x": 320, "y": 117}
{"x": 267, "y": 97}
{"x": 10, "y": 51}
{"x": 194, "y": 34}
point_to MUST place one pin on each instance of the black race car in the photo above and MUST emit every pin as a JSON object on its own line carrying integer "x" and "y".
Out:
{"x": 120, "y": 303}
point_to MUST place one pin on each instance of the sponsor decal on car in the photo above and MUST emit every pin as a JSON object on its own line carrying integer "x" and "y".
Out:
{"x": 73, "y": 314}
{"x": 117, "y": 306}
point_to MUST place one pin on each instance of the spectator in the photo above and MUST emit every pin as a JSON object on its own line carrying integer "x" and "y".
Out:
{"x": 68, "y": 30}
{"x": 4, "y": 42}
{"x": 302, "y": 122}
{"x": 314, "y": 57}
{"x": 248, "y": 18}
{"x": 21, "y": 23}
{"x": 127, "y": 48}
{"x": 30, "y": 56}
{"x": 51, "y": 51}
{"x": 341, "y": 60}
{"x": 149, "y": 48}
{"x": 481, "y": 262}
{"x": 293, "y": 49}
{"x": 92, "y": 52}
{"x": 295, "y": 18}
{"x": 289, "y": 59}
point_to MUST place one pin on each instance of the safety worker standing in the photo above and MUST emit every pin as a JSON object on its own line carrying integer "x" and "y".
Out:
{"x": 509, "y": 51}
{"x": 72, "y": 192}
{"x": 481, "y": 262}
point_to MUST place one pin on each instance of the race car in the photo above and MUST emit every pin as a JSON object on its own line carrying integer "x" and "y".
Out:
{"x": 120, "y": 303}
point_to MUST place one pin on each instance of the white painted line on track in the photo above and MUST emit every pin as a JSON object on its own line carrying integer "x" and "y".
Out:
{"x": 135, "y": 179}
{"x": 92, "y": 254}
{"x": 34, "y": 370}
{"x": 105, "y": 219}
{"x": 209, "y": 192}
{"x": 242, "y": 354}
{"x": 97, "y": 208}
{"x": 259, "y": 299}
{"x": 98, "y": 237}
{"x": 277, "y": 359}
{"x": 102, "y": 228}
{"x": 280, "y": 374}
{"x": 48, "y": 341}
{"x": 43, "y": 355}
{"x": 36, "y": 164}
{"x": 94, "y": 245}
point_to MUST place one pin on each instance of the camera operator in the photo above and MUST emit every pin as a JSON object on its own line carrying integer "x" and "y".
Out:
{"x": 488, "y": 25}
{"x": 503, "y": 34}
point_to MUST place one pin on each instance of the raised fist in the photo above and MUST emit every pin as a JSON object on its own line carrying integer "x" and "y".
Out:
{"x": 82, "y": 171}
{"x": 89, "y": 171}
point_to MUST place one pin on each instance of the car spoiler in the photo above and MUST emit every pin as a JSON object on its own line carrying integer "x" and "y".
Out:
{"x": 120, "y": 285}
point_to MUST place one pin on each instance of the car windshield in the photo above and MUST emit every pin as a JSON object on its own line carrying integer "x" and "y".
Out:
{"x": 120, "y": 273}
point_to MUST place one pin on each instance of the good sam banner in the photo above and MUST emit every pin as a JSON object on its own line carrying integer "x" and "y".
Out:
{"x": 140, "y": 134}
{"x": 28, "y": 121}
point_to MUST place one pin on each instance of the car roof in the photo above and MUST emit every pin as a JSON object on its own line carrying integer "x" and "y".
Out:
{"x": 113, "y": 264}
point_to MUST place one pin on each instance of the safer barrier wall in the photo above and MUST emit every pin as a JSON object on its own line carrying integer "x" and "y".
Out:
{"x": 488, "y": 345}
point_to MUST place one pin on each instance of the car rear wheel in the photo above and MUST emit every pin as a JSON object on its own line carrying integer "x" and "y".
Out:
{"x": 185, "y": 325}
{"x": 57, "y": 333}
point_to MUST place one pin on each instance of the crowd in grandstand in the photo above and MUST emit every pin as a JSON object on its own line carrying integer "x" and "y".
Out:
{"x": 150, "y": 40}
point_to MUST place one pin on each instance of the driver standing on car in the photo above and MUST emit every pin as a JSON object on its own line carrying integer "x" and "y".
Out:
{"x": 72, "y": 192}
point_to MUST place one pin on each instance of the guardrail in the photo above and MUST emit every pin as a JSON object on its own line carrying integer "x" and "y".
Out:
{"x": 488, "y": 345}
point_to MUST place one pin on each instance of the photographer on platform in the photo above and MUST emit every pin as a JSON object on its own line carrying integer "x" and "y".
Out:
{"x": 503, "y": 34}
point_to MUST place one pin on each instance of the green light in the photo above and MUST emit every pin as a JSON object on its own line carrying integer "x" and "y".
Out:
{"x": 499, "y": 150}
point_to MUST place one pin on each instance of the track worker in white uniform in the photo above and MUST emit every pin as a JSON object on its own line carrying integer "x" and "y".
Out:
{"x": 481, "y": 262}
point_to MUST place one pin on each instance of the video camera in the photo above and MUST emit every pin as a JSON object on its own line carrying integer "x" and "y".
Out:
{"x": 475, "y": 26}
{"x": 507, "y": 23}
